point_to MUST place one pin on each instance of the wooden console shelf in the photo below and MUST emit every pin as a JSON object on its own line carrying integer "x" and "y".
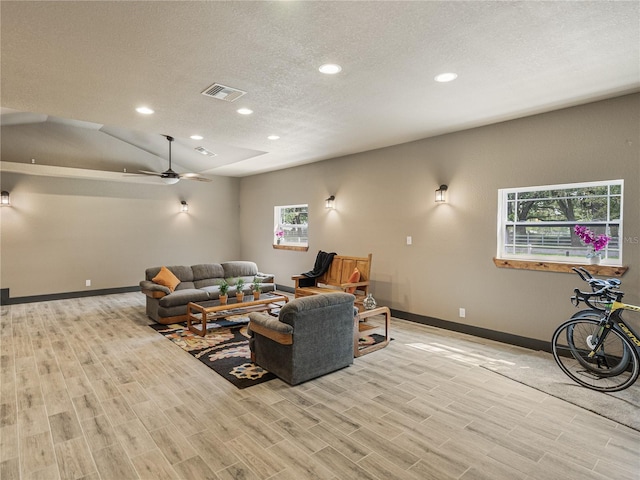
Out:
{"x": 599, "y": 270}
{"x": 290, "y": 247}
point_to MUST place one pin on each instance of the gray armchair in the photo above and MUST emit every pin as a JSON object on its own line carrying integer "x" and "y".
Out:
{"x": 312, "y": 336}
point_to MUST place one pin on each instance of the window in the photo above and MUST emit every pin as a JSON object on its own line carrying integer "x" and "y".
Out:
{"x": 290, "y": 225}
{"x": 536, "y": 223}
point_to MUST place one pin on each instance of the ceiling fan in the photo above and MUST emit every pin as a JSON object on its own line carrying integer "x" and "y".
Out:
{"x": 169, "y": 176}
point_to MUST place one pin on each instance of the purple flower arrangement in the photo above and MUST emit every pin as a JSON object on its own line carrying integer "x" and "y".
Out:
{"x": 597, "y": 242}
{"x": 279, "y": 235}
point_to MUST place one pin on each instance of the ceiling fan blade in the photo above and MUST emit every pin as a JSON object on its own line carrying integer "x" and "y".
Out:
{"x": 194, "y": 176}
{"x": 146, "y": 172}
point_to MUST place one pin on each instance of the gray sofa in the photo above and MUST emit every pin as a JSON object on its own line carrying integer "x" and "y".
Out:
{"x": 200, "y": 284}
{"x": 312, "y": 336}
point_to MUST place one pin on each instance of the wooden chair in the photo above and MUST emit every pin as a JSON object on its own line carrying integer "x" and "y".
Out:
{"x": 336, "y": 278}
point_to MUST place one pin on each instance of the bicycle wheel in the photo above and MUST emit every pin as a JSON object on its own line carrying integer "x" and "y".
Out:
{"x": 615, "y": 366}
{"x": 589, "y": 313}
{"x": 602, "y": 362}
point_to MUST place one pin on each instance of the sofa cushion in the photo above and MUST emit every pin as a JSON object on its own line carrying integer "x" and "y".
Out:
{"x": 184, "y": 273}
{"x": 239, "y": 269}
{"x": 207, "y": 282}
{"x": 167, "y": 278}
{"x": 207, "y": 271}
{"x": 212, "y": 290}
{"x": 184, "y": 296}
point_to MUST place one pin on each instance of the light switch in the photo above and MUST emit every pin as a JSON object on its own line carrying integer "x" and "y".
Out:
{"x": 409, "y": 240}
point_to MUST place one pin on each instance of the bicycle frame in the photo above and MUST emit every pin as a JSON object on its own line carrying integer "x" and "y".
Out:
{"x": 613, "y": 319}
{"x": 616, "y": 307}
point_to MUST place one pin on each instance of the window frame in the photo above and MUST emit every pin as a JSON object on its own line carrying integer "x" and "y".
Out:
{"x": 277, "y": 217}
{"x": 503, "y": 222}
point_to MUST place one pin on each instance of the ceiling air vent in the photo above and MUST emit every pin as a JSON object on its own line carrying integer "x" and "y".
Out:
{"x": 204, "y": 151}
{"x": 222, "y": 92}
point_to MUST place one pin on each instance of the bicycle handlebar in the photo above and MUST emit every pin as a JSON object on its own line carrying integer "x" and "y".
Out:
{"x": 584, "y": 274}
{"x": 601, "y": 290}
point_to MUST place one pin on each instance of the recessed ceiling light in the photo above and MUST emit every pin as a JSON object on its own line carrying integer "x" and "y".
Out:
{"x": 245, "y": 111}
{"x": 330, "y": 68}
{"x": 196, "y": 137}
{"x": 273, "y": 137}
{"x": 445, "y": 77}
{"x": 144, "y": 110}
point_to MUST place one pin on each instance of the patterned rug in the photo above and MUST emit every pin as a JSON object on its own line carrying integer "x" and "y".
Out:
{"x": 225, "y": 348}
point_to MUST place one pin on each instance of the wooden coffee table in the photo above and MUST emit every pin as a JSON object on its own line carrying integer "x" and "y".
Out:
{"x": 197, "y": 314}
{"x": 362, "y": 327}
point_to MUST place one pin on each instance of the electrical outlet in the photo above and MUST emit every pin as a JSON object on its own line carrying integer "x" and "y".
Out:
{"x": 409, "y": 240}
{"x": 463, "y": 313}
{"x": 87, "y": 283}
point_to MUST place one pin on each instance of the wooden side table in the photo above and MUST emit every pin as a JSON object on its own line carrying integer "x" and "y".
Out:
{"x": 361, "y": 326}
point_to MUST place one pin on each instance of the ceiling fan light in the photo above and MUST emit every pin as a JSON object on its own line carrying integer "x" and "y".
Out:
{"x": 170, "y": 180}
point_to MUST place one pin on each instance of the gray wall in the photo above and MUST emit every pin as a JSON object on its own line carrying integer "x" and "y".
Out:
{"x": 385, "y": 195}
{"x": 60, "y": 232}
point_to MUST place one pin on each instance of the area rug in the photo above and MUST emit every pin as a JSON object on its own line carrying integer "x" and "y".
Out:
{"x": 540, "y": 371}
{"x": 225, "y": 348}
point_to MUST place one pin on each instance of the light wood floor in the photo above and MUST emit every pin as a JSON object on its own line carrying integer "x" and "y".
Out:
{"x": 89, "y": 391}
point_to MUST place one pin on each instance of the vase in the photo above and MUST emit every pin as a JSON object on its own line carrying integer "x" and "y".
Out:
{"x": 223, "y": 299}
{"x": 595, "y": 260}
{"x": 369, "y": 302}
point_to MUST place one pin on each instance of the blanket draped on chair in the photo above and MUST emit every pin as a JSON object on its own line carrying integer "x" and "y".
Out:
{"x": 323, "y": 262}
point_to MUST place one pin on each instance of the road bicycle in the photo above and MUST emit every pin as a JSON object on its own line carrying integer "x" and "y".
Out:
{"x": 596, "y": 347}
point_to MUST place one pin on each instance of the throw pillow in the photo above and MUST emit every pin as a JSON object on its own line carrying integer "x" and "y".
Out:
{"x": 355, "y": 277}
{"x": 167, "y": 278}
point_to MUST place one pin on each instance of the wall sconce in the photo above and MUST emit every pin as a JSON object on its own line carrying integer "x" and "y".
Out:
{"x": 184, "y": 207}
{"x": 4, "y": 199}
{"x": 330, "y": 202}
{"x": 441, "y": 196}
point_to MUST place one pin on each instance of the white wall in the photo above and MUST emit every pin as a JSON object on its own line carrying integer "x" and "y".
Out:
{"x": 384, "y": 195}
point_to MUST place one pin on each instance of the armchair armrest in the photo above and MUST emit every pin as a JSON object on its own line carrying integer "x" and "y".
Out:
{"x": 270, "y": 327}
{"x": 154, "y": 290}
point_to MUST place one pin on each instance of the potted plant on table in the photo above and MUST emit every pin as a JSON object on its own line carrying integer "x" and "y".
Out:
{"x": 224, "y": 290}
{"x": 256, "y": 289}
{"x": 239, "y": 292}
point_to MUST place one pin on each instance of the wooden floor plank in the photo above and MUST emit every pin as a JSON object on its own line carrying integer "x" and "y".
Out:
{"x": 89, "y": 391}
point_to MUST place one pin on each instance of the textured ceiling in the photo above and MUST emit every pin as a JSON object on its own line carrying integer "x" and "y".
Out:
{"x": 83, "y": 67}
